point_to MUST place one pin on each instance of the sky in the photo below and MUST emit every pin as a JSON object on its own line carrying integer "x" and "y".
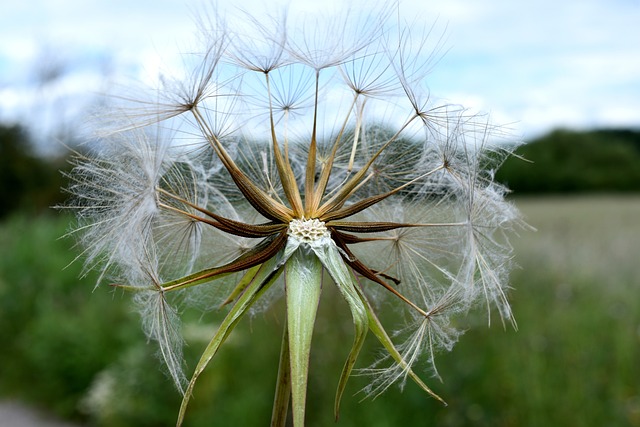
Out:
{"x": 536, "y": 65}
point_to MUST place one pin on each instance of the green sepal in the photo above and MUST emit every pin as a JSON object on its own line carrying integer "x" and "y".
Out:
{"x": 347, "y": 284}
{"x": 378, "y": 330}
{"x": 194, "y": 279}
{"x": 242, "y": 284}
{"x": 266, "y": 275}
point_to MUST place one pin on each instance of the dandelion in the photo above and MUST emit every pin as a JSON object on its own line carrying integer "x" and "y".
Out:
{"x": 287, "y": 152}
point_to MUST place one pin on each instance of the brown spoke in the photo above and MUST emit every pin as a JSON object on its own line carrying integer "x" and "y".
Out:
{"x": 237, "y": 228}
{"x": 368, "y": 227}
{"x": 260, "y": 253}
{"x": 340, "y": 197}
{"x": 328, "y": 167}
{"x": 215, "y": 224}
{"x": 356, "y": 207}
{"x": 260, "y": 200}
{"x": 386, "y": 276}
{"x": 350, "y": 239}
{"x": 287, "y": 177}
{"x": 368, "y": 202}
{"x": 310, "y": 173}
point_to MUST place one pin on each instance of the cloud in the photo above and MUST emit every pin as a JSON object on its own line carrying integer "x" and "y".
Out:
{"x": 540, "y": 64}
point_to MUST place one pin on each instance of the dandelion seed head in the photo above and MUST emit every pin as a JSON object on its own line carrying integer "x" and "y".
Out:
{"x": 289, "y": 147}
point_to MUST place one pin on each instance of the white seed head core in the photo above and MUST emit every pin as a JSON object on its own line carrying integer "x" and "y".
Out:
{"x": 307, "y": 230}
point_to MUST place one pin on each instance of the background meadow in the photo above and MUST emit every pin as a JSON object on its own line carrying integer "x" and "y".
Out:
{"x": 79, "y": 352}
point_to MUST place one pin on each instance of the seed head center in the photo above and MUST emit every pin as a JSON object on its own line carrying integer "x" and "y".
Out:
{"x": 307, "y": 230}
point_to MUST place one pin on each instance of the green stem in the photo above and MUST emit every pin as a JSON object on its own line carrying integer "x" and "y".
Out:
{"x": 303, "y": 281}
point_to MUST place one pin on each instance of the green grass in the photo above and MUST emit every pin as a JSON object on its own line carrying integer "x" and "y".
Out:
{"x": 55, "y": 333}
{"x": 575, "y": 360}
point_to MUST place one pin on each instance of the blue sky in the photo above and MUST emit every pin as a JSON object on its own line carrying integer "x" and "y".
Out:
{"x": 538, "y": 65}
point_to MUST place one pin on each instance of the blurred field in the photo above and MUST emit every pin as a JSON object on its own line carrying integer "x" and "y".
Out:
{"x": 575, "y": 360}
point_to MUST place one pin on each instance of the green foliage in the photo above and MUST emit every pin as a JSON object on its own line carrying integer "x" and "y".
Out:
{"x": 27, "y": 182}
{"x": 55, "y": 333}
{"x": 567, "y": 161}
{"x": 572, "y": 362}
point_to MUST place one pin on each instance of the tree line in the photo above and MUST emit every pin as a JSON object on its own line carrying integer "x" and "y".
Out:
{"x": 567, "y": 161}
{"x": 563, "y": 161}
{"x": 29, "y": 182}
